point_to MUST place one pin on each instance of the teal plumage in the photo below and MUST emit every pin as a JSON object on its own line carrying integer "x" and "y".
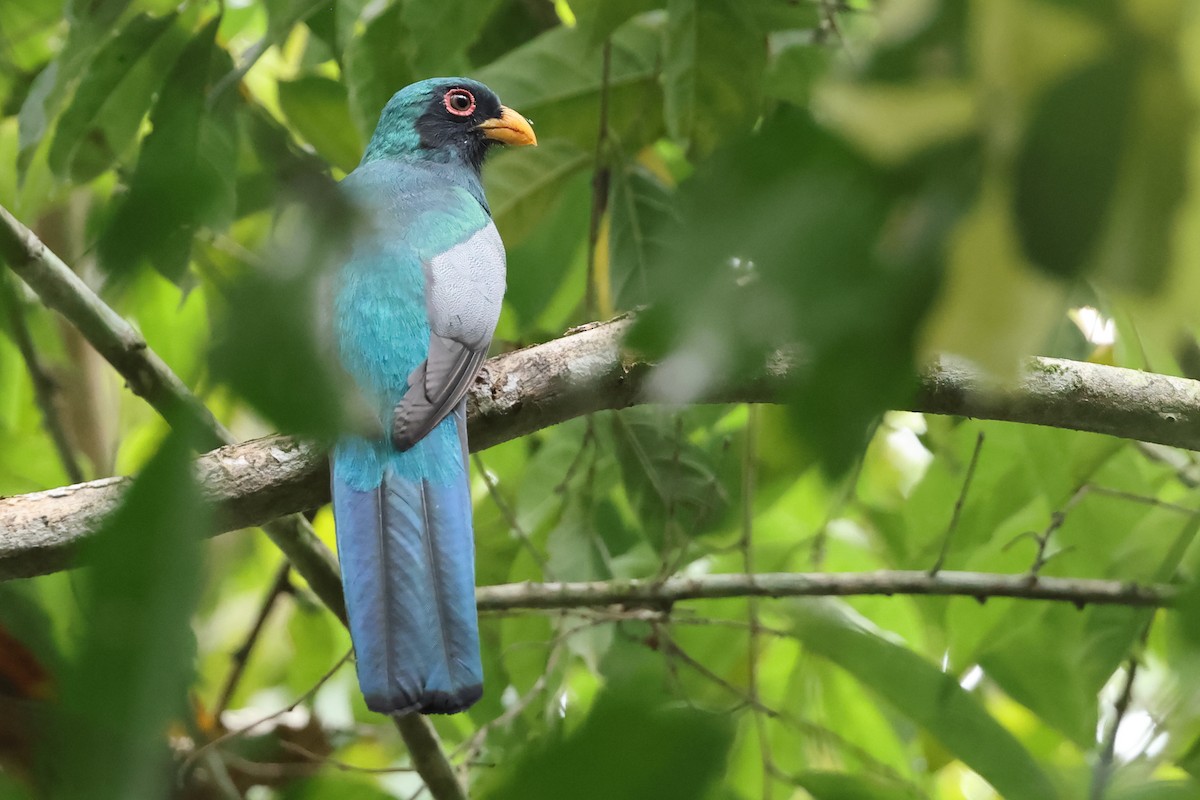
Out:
{"x": 414, "y": 309}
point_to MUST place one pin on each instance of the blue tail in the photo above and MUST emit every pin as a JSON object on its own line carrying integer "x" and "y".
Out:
{"x": 408, "y": 569}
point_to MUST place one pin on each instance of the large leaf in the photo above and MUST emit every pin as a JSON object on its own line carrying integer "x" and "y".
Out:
{"x": 715, "y": 57}
{"x": 184, "y": 178}
{"x": 441, "y": 33}
{"x": 1135, "y": 248}
{"x": 923, "y": 693}
{"x": 599, "y": 18}
{"x": 376, "y": 68}
{"x": 106, "y": 112}
{"x": 524, "y": 184}
{"x": 317, "y": 108}
{"x": 555, "y": 80}
{"x": 783, "y": 243}
{"x": 650, "y": 750}
{"x": 1157, "y": 790}
{"x": 539, "y": 263}
{"x": 273, "y": 344}
{"x": 91, "y": 23}
{"x": 843, "y": 786}
{"x": 1068, "y": 165}
{"x": 283, "y": 14}
{"x": 670, "y": 481}
{"x": 640, "y": 206}
{"x": 131, "y": 674}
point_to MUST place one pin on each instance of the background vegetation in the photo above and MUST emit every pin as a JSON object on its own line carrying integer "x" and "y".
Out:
{"x": 863, "y": 183}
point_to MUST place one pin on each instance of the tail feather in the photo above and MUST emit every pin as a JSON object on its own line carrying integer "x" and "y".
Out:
{"x": 408, "y": 568}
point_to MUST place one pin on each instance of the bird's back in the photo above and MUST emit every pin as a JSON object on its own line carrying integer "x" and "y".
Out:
{"x": 404, "y": 518}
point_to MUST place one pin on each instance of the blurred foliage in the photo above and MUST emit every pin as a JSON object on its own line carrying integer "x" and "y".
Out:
{"x": 861, "y": 183}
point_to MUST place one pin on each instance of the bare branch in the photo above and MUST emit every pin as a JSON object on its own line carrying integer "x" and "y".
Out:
{"x": 665, "y": 593}
{"x": 44, "y": 386}
{"x": 583, "y": 372}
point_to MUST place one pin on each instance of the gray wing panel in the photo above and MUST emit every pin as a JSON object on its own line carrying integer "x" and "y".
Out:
{"x": 465, "y": 288}
{"x": 464, "y": 292}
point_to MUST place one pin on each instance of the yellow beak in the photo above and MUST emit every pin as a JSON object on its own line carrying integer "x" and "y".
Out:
{"x": 509, "y": 128}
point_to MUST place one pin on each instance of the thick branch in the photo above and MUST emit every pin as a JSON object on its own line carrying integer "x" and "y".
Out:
{"x": 582, "y": 372}
{"x": 663, "y": 594}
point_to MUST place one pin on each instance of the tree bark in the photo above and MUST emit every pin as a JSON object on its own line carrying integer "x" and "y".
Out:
{"x": 582, "y": 372}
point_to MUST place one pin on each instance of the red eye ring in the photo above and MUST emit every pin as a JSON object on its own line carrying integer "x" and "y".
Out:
{"x": 459, "y": 102}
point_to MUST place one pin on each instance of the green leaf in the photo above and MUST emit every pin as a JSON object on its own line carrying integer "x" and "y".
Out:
{"x": 317, "y": 107}
{"x": 131, "y": 675}
{"x": 376, "y": 67}
{"x": 343, "y": 787}
{"x": 273, "y": 163}
{"x": 555, "y": 80}
{"x": 923, "y": 693}
{"x": 670, "y": 481}
{"x": 1068, "y": 165}
{"x": 96, "y": 14}
{"x": 268, "y": 349}
{"x": 599, "y": 18}
{"x": 712, "y": 78}
{"x": 524, "y": 184}
{"x": 843, "y": 786}
{"x": 640, "y": 206}
{"x": 665, "y": 752}
{"x": 783, "y": 242}
{"x": 513, "y": 23}
{"x": 184, "y": 178}
{"x": 1158, "y": 790}
{"x": 440, "y": 33}
{"x": 37, "y": 20}
{"x": 1138, "y": 237}
{"x": 796, "y": 64}
{"x": 91, "y": 23}
{"x": 550, "y": 254}
{"x": 106, "y": 112}
{"x": 282, "y": 15}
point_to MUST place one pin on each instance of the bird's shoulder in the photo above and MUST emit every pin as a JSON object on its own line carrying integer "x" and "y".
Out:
{"x": 427, "y": 206}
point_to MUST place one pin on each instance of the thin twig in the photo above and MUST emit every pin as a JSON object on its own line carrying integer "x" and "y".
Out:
{"x": 1104, "y": 765}
{"x": 254, "y": 53}
{"x": 958, "y": 507}
{"x": 672, "y": 649}
{"x": 846, "y": 493}
{"x": 510, "y": 516}
{"x": 44, "y": 386}
{"x": 749, "y": 475}
{"x": 600, "y": 182}
{"x": 473, "y": 746}
{"x": 656, "y": 594}
{"x": 221, "y": 780}
{"x": 239, "y": 658}
{"x": 235, "y": 733}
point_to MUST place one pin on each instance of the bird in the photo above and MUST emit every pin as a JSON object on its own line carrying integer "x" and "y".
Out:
{"x": 415, "y": 304}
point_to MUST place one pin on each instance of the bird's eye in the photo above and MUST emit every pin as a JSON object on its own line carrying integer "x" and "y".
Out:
{"x": 459, "y": 102}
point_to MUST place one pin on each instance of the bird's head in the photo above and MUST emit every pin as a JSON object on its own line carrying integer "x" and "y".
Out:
{"x": 444, "y": 119}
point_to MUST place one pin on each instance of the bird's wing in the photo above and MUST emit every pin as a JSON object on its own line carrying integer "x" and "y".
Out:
{"x": 463, "y": 293}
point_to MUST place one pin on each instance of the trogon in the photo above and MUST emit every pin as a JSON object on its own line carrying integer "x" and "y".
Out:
{"x": 414, "y": 308}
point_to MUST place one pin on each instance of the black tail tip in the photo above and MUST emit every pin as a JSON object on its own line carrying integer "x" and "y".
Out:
{"x": 429, "y": 702}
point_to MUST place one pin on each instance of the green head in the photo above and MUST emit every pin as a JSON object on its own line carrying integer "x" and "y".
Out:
{"x": 446, "y": 119}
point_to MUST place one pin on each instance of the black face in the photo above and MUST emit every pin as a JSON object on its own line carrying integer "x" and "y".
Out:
{"x": 451, "y": 121}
